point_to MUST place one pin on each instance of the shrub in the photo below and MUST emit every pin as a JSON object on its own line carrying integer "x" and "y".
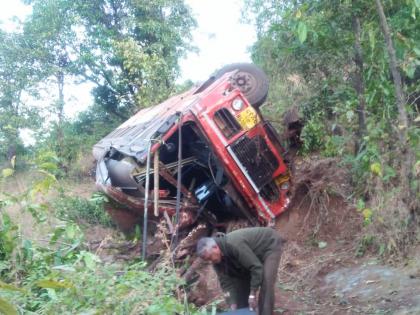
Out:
{"x": 82, "y": 210}
{"x": 58, "y": 275}
{"x": 65, "y": 278}
{"x": 313, "y": 136}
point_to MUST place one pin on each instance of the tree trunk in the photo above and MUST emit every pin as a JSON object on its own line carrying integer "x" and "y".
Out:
{"x": 358, "y": 81}
{"x": 12, "y": 105}
{"x": 60, "y": 109}
{"x": 11, "y": 154}
{"x": 401, "y": 100}
{"x": 407, "y": 157}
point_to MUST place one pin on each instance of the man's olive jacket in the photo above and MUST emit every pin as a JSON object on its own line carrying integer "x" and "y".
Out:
{"x": 243, "y": 254}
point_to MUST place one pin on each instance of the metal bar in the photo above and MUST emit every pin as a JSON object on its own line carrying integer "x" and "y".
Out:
{"x": 146, "y": 199}
{"x": 179, "y": 183}
{"x": 165, "y": 173}
{"x": 170, "y": 166}
{"x": 156, "y": 182}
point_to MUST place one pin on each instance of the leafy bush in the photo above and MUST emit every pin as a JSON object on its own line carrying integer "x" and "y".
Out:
{"x": 56, "y": 274}
{"x": 65, "y": 278}
{"x": 61, "y": 276}
{"x": 8, "y": 237}
{"x": 313, "y": 136}
{"x": 334, "y": 146}
{"x": 82, "y": 210}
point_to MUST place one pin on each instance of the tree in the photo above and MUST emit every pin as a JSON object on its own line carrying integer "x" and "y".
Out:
{"x": 17, "y": 77}
{"x": 131, "y": 50}
{"x": 332, "y": 60}
{"x": 50, "y": 30}
{"x": 407, "y": 158}
{"x": 307, "y": 49}
{"x": 359, "y": 85}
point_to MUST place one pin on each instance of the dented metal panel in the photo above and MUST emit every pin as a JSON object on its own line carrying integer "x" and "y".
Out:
{"x": 231, "y": 164}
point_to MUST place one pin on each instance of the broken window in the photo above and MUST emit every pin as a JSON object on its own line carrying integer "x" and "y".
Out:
{"x": 227, "y": 124}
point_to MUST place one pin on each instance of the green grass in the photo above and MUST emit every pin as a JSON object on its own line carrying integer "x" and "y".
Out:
{"x": 82, "y": 210}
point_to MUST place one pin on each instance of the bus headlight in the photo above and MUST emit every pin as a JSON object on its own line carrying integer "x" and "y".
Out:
{"x": 237, "y": 104}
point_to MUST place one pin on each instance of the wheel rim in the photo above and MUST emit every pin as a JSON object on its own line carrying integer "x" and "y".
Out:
{"x": 244, "y": 82}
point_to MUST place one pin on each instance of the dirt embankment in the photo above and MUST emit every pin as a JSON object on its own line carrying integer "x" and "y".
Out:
{"x": 319, "y": 226}
{"x": 319, "y": 271}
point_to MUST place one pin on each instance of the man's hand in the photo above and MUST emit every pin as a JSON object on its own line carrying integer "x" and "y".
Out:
{"x": 233, "y": 307}
{"x": 252, "y": 302}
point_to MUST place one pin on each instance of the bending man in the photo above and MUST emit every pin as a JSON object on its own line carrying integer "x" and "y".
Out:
{"x": 245, "y": 261}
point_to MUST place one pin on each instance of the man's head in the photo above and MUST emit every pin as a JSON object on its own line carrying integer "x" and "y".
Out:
{"x": 208, "y": 250}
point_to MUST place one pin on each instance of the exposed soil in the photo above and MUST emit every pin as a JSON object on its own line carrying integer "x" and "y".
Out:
{"x": 110, "y": 245}
{"x": 319, "y": 272}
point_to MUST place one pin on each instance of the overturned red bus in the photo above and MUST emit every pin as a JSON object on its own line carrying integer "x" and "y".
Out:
{"x": 204, "y": 155}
